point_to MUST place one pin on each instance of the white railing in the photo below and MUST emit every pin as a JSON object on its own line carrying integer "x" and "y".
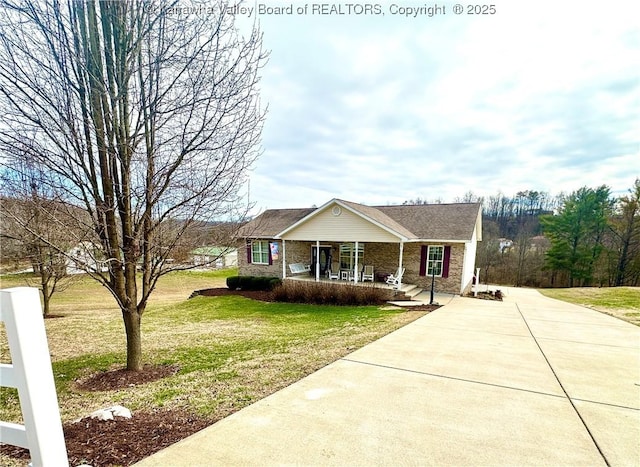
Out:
{"x": 476, "y": 283}
{"x": 31, "y": 374}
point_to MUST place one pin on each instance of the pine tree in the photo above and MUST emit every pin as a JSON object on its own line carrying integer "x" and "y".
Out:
{"x": 576, "y": 233}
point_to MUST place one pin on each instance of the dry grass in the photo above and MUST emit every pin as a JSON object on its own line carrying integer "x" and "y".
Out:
{"x": 621, "y": 302}
{"x": 92, "y": 322}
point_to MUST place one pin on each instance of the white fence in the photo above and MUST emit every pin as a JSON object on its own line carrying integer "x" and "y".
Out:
{"x": 30, "y": 373}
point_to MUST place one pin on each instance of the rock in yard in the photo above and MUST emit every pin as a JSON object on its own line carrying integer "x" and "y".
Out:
{"x": 110, "y": 412}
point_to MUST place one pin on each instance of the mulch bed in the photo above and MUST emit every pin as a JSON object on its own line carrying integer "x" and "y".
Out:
{"x": 421, "y": 307}
{"x": 121, "y": 378}
{"x": 122, "y": 441}
{"x": 490, "y": 295}
{"x": 252, "y": 294}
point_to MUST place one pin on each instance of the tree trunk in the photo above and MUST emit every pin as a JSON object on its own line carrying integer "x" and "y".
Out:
{"x": 132, "y": 319}
{"x": 45, "y": 303}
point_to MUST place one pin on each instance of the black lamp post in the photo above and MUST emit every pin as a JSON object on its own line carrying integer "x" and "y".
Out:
{"x": 433, "y": 280}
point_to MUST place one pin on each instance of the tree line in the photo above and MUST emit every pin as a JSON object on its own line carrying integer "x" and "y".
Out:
{"x": 533, "y": 238}
{"x": 584, "y": 238}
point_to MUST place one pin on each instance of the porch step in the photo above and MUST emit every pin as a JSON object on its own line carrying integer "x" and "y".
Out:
{"x": 410, "y": 290}
{"x": 407, "y": 292}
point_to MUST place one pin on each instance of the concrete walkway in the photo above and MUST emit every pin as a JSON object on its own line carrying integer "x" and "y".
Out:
{"x": 526, "y": 381}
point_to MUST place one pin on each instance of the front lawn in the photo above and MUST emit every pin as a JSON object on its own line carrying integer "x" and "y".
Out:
{"x": 231, "y": 351}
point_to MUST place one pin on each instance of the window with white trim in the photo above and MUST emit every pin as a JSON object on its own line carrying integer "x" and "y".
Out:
{"x": 260, "y": 252}
{"x": 348, "y": 255}
{"x": 435, "y": 260}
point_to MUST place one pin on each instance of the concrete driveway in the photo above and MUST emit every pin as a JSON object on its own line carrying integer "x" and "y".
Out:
{"x": 526, "y": 381}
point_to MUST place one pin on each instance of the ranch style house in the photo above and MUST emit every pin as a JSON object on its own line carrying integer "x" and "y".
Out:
{"x": 342, "y": 240}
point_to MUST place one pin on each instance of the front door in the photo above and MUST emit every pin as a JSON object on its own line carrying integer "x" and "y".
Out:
{"x": 325, "y": 259}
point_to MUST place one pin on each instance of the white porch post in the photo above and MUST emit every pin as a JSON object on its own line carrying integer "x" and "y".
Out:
{"x": 355, "y": 267}
{"x": 284, "y": 259}
{"x": 317, "y": 260}
{"x": 400, "y": 264}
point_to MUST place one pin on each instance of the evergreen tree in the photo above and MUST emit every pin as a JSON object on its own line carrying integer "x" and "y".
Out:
{"x": 576, "y": 233}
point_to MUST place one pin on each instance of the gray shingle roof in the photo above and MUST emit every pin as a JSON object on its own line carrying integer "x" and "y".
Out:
{"x": 273, "y": 221}
{"x": 454, "y": 222}
{"x": 436, "y": 221}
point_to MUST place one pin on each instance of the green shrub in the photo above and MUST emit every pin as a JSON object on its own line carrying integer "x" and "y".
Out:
{"x": 329, "y": 294}
{"x": 252, "y": 283}
{"x": 233, "y": 282}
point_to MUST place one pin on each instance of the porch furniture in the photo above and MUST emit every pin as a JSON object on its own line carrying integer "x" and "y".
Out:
{"x": 345, "y": 274}
{"x": 333, "y": 273}
{"x": 367, "y": 273}
{"x": 299, "y": 268}
{"x": 394, "y": 279}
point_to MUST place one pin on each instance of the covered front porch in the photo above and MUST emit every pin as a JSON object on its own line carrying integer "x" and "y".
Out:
{"x": 355, "y": 262}
{"x": 341, "y": 241}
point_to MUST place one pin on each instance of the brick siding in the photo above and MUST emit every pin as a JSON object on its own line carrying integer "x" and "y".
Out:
{"x": 382, "y": 256}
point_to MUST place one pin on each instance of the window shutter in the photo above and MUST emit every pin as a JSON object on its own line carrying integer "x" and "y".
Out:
{"x": 269, "y": 250}
{"x": 248, "y": 252}
{"x": 423, "y": 260}
{"x": 445, "y": 261}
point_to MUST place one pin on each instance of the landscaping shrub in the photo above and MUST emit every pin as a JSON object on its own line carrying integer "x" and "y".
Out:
{"x": 233, "y": 282}
{"x": 252, "y": 283}
{"x": 329, "y": 294}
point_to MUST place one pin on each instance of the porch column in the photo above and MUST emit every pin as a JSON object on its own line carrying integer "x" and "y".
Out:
{"x": 317, "y": 260}
{"x": 355, "y": 267}
{"x": 400, "y": 264}
{"x": 284, "y": 259}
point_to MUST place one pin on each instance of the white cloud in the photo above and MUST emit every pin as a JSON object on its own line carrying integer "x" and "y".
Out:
{"x": 540, "y": 96}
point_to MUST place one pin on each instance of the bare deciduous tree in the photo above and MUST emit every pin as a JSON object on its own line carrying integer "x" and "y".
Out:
{"x": 34, "y": 224}
{"x": 625, "y": 226}
{"x": 146, "y": 114}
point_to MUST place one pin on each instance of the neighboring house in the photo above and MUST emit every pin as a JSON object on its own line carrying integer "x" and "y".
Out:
{"x": 505, "y": 244}
{"x": 211, "y": 256}
{"x": 426, "y": 240}
{"x": 83, "y": 257}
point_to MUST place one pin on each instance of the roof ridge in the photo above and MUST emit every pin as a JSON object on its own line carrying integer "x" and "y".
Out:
{"x": 425, "y": 204}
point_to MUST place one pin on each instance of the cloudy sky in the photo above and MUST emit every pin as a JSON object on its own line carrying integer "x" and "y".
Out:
{"x": 379, "y": 109}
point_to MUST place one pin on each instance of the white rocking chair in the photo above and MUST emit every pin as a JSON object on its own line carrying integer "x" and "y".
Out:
{"x": 367, "y": 273}
{"x": 333, "y": 273}
{"x": 394, "y": 279}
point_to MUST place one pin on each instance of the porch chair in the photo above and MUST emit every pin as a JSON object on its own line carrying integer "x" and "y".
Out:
{"x": 352, "y": 273}
{"x": 394, "y": 279}
{"x": 367, "y": 273}
{"x": 334, "y": 271}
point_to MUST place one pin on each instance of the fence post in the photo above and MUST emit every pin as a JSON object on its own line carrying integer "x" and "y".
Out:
{"x": 31, "y": 374}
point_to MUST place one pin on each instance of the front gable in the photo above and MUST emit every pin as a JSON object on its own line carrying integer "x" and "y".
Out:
{"x": 336, "y": 221}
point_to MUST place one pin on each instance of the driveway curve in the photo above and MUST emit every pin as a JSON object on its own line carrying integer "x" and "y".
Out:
{"x": 526, "y": 381}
